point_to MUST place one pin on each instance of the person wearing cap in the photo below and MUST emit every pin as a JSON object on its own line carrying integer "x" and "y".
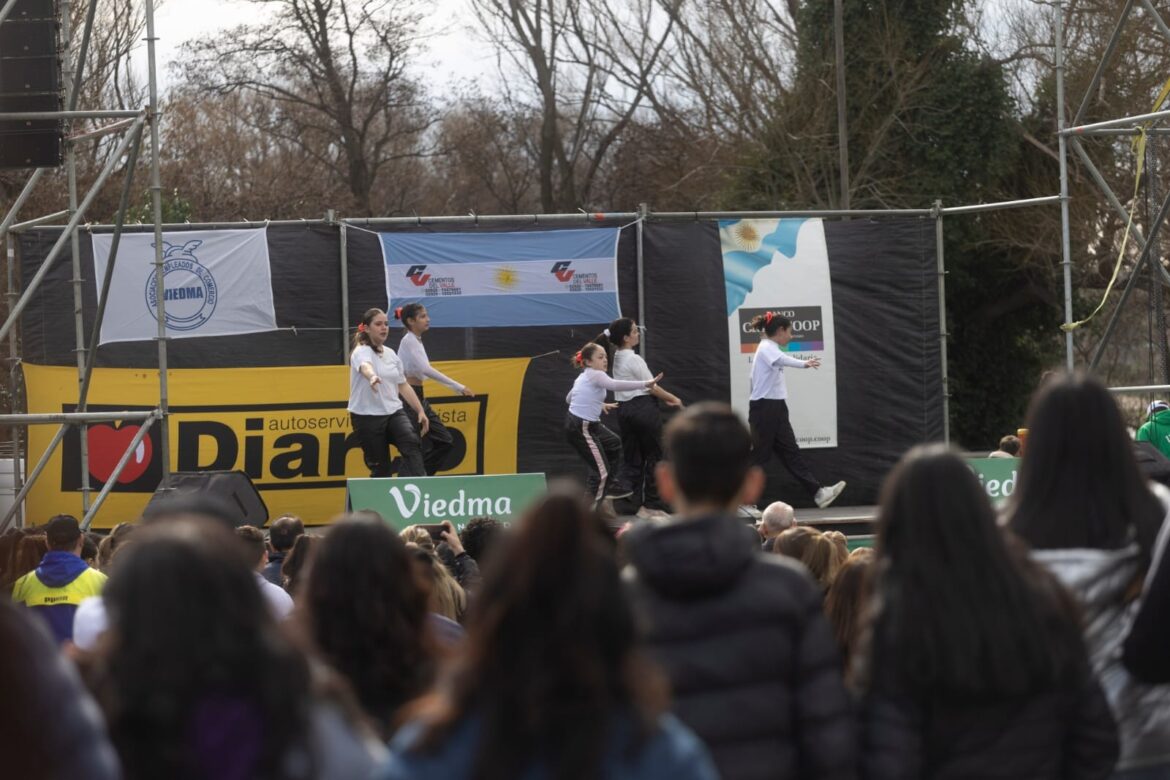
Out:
{"x": 1156, "y": 429}
{"x": 62, "y": 581}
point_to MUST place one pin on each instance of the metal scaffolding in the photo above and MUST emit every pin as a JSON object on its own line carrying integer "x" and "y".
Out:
{"x": 1075, "y": 136}
{"x": 133, "y": 126}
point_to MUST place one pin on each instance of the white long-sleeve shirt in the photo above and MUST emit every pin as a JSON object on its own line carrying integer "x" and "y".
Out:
{"x": 768, "y": 371}
{"x": 416, "y": 364}
{"x": 628, "y": 365}
{"x": 588, "y": 394}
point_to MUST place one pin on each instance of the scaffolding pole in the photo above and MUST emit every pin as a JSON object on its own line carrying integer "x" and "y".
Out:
{"x": 640, "y": 259}
{"x": 156, "y": 214}
{"x": 1106, "y": 58}
{"x": 344, "y": 259}
{"x": 943, "y": 334}
{"x": 1065, "y": 229}
{"x": 13, "y": 376}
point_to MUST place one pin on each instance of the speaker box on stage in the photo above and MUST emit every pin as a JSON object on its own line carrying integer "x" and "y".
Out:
{"x": 30, "y": 80}
{"x": 234, "y": 488}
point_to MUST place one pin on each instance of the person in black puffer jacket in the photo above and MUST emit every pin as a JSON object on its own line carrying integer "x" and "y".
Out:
{"x": 973, "y": 664}
{"x": 741, "y": 635}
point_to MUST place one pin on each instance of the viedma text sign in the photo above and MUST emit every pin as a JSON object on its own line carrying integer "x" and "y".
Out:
{"x": 405, "y": 501}
{"x": 997, "y": 475}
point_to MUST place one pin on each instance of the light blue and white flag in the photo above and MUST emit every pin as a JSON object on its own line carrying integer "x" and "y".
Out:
{"x": 469, "y": 280}
{"x": 215, "y": 283}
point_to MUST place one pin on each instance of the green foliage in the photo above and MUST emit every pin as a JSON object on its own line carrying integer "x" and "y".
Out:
{"x": 928, "y": 119}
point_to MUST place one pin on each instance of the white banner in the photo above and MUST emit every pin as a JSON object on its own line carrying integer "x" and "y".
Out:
{"x": 782, "y": 266}
{"x": 216, "y": 283}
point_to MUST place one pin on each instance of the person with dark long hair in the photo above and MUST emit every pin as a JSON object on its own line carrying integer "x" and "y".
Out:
{"x": 551, "y": 682}
{"x": 367, "y": 615}
{"x": 50, "y": 726}
{"x": 768, "y": 408}
{"x": 598, "y": 446}
{"x": 638, "y": 413}
{"x": 195, "y": 679}
{"x": 417, "y": 367}
{"x": 1092, "y": 520}
{"x": 377, "y": 389}
{"x": 974, "y": 665}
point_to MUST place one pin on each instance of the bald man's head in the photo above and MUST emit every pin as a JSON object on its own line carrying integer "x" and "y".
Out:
{"x": 777, "y": 518}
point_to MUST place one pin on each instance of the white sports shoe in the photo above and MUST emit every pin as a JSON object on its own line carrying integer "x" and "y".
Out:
{"x": 828, "y": 495}
{"x": 645, "y": 513}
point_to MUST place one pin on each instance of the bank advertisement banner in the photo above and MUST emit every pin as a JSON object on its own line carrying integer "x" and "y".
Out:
{"x": 404, "y": 501}
{"x": 782, "y": 266}
{"x": 468, "y": 280}
{"x": 286, "y": 428}
{"x": 215, "y": 283}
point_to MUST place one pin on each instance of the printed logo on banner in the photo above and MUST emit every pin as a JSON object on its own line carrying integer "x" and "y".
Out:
{"x": 808, "y": 329}
{"x": 562, "y": 271}
{"x": 301, "y": 446}
{"x": 107, "y": 442}
{"x": 416, "y": 276}
{"x": 189, "y": 288}
{"x": 431, "y": 284}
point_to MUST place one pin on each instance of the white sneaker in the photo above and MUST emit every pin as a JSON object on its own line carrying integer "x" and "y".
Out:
{"x": 645, "y": 513}
{"x": 828, "y": 495}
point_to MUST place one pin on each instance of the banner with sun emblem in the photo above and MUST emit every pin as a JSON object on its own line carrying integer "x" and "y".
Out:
{"x": 468, "y": 280}
{"x": 215, "y": 283}
{"x": 782, "y": 266}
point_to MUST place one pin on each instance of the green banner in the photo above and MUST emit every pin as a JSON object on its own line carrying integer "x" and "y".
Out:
{"x": 997, "y": 475}
{"x": 413, "y": 500}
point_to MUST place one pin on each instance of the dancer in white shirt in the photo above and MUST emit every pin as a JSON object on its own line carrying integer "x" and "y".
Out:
{"x": 768, "y": 409}
{"x": 417, "y": 367}
{"x": 597, "y": 445}
{"x": 377, "y": 388}
{"x": 640, "y": 417}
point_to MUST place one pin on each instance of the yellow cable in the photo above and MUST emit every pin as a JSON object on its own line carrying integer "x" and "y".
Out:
{"x": 1139, "y": 147}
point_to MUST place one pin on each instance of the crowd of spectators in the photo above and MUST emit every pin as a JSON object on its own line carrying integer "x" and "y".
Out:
{"x": 968, "y": 641}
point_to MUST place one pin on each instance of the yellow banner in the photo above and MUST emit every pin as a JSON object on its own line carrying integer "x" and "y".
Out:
{"x": 286, "y": 428}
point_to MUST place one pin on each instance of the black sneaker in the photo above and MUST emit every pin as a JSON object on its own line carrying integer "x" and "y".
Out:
{"x": 619, "y": 491}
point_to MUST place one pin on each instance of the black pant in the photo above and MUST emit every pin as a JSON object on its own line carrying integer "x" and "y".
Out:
{"x": 641, "y": 449}
{"x": 772, "y": 432}
{"x": 437, "y": 443}
{"x": 600, "y": 448}
{"x": 378, "y": 432}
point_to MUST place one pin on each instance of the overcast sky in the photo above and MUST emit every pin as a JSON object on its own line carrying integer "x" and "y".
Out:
{"x": 453, "y": 51}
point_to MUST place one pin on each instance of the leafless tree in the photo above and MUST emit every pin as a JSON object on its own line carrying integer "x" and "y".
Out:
{"x": 585, "y": 68}
{"x": 336, "y": 73}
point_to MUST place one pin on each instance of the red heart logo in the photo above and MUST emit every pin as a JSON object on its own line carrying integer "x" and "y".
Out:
{"x": 106, "y": 446}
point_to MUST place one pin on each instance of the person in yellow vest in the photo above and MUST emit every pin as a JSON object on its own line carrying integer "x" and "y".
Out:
{"x": 62, "y": 581}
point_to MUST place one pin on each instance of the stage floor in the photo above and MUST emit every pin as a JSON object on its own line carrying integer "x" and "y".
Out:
{"x": 849, "y": 520}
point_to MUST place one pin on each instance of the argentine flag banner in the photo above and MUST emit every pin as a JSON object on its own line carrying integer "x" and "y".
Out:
{"x": 469, "y": 280}
{"x": 215, "y": 283}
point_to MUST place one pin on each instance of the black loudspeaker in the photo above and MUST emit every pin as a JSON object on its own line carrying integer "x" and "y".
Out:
{"x": 233, "y": 487}
{"x": 30, "y": 80}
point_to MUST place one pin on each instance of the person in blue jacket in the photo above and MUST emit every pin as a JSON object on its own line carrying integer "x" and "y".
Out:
{"x": 62, "y": 581}
{"x": 551, "y": 681}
